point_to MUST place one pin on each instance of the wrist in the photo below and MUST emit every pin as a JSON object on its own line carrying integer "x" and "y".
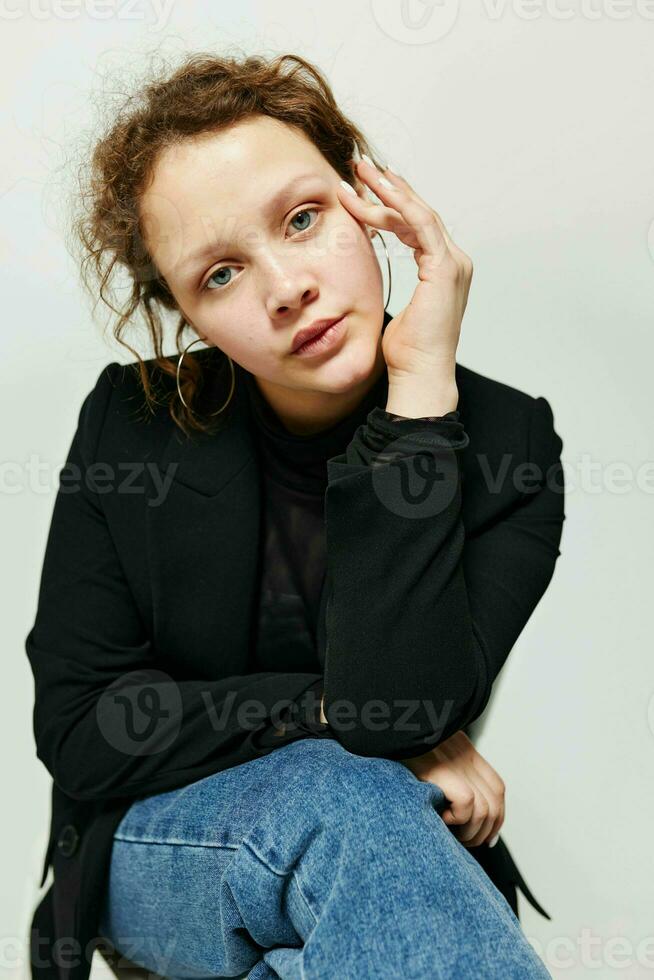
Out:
{"x": 418, "y": 397}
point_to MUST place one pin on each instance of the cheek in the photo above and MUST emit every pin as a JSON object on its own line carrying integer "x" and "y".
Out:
{"x": 358, "y": 266}
{"x": 348, "y": 248}
{"x": 248, "y": 345}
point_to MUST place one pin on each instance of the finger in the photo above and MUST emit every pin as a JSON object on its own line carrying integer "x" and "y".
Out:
{"x": 481, "y": 815}
{"x": 499, "y": 823}
{"x": 490, "y": 775}
{"x": 496, "y": 786}
{"x": 460, "y": 797}
{"x": 378, "y": 215}
{"x": 475, "y": 831}
{"x": 469, "y": 833}
{"x": 458, "y": 749}
{"x": 484, "y": 833}
{"x": 400, "y": 182}
{"x": 497, "y": 826}
{"x": 415, "y": 213}
{"x": 487, "y": 807}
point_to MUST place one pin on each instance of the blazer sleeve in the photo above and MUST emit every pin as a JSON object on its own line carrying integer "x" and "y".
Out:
{"x": 420, "y": 619}
{"x": 96, "y": 676}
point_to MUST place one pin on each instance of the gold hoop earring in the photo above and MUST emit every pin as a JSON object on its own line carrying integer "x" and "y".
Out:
{"x": 179, "y": 390}
{"x": 388, "y": 263}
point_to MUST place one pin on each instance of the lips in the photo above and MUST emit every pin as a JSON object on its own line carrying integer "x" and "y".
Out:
{"x": 310, "y": 333}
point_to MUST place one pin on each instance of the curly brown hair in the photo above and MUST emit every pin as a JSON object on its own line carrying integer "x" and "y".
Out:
{"x": 204, "y": 94}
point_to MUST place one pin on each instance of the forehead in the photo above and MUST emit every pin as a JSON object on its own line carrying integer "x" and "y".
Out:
{"x": 202, "y": 186}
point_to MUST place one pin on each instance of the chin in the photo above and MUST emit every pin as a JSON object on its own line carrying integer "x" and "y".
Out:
{"x": 350, "y": 368}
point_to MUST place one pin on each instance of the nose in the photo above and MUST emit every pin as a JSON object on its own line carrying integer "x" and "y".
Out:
{"x": 288, "y": 286}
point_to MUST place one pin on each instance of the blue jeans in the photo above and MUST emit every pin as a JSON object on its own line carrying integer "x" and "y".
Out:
{"x": 310, "y": 862}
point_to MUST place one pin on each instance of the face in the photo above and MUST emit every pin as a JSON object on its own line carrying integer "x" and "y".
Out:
{"x": 248, "y": 231}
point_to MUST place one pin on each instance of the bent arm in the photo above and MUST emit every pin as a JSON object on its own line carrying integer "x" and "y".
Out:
{"x": 107, "y": 722}
{"x": 421, "y": 619}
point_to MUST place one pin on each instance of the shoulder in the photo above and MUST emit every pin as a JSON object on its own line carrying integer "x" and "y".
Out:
{"x": 114, "y": 414}
{"x": 478, "y": 393}
{"x": 514, "y": 449}
{"x": 496, "y": 414}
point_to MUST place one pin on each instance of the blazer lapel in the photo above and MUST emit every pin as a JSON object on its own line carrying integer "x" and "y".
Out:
{"x": 202, "y": 540}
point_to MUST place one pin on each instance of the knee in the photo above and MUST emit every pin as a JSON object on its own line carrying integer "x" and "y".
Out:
{"x": 344, "y": 785}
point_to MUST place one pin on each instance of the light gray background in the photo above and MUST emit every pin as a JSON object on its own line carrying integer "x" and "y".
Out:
{"x": 528, "y": 127}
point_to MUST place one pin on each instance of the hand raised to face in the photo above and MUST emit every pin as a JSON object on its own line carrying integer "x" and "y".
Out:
{"x": 423, "y": 337}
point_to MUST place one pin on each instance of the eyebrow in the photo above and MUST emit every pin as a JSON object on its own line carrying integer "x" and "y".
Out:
{"x": 285, "y": 192}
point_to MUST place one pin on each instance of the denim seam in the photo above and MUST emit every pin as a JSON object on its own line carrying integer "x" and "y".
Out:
{"x": 177, "y": 843}
{"x": 282, "y": 874}
{"x": 232, "y": 847}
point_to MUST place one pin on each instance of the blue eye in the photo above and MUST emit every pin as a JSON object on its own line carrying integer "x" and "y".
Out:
{"x": 223, "y": 268}
{"x": 305, "y": 211}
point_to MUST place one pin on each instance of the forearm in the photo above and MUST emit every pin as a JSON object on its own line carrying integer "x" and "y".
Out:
{"x": 397, "y": 620}
{"x": 411, "y": 613}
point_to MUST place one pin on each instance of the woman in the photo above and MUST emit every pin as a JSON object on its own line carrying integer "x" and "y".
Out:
{"x": 272, "y": 605}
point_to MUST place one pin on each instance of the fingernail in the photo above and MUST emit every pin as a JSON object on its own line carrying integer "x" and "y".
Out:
{"x": 493, "y": 841}
{"x": 364, "y": 156}
{"x": 386, "y": 183}
{"x": 393, "y": 170}
{"x": 348, "y": 187}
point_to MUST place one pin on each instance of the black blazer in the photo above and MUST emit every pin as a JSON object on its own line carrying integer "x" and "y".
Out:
{"x": 147, "y": 601}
